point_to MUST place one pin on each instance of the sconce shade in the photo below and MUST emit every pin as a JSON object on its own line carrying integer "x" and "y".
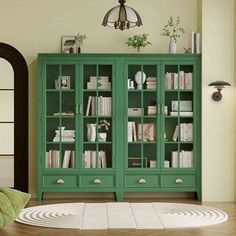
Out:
{"x": 122, "y": 17}
{"x": 219, "y": 85}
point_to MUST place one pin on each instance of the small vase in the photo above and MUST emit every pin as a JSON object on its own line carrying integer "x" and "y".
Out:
{"x": 102, "y": 137}
{"x": 91, "y": 132}
{"x": 138, "y": 49}
{"x": 172, "y": 46}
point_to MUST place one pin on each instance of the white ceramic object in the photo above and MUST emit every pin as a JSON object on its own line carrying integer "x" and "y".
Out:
{"x": 172, "y": 46}
{"x": 102, "y": 137}
{"x": 140, "y": 78}
{"x": 91, "y": 132}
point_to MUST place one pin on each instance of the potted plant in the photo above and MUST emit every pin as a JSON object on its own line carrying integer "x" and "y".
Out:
{"x": 138, "y": 41}
{"x": 173, "y": 30}
{"x": 79, "y": 40}
{"x": 103, "y": 125}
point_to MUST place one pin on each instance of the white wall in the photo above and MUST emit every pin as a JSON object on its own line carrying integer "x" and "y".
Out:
{"x": 218, "y": 117}
{"x": 34, "y": 26}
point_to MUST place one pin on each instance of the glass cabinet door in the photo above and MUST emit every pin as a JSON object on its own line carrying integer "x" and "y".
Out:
{"x": 142, "y": 122}
{"x": 97, "y": 116}
{"x": 60, "y": 123}
{"x": 179, "y": 118}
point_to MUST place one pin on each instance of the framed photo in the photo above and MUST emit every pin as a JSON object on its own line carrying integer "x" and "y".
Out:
{"x": 68, "y": 44}
{"x": 135, "y": 162}
{"x": 63, "y": 82}
{"x": 146, "y": 132}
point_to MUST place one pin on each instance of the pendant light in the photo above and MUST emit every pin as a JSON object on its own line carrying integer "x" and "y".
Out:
{"x": 122, "y": 17}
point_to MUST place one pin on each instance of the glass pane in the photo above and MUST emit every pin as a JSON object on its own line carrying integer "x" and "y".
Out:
{"x": 6, "y": 138}
{"x": 6, "y": 75}
{"x": 6, "y": 106}
{"x": 7, "y": 171}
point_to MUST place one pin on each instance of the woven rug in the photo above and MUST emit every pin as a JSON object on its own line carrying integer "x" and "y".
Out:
{"x": 123, "y": 215}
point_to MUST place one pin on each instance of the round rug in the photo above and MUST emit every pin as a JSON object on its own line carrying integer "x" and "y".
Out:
{"x": 122, "y": 215}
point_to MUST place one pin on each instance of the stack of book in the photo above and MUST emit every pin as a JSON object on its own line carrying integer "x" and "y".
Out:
{"x": 195, "y": 42}
{"x": 100, "y": 82}
{"x": 181, "y": 108}
{"x": 183, "y": 132}
{"x": 182, "y": 80}
{"x": 63, "y": 135}
{"x": 151, "y": 83}
{"x": 53, "y": 159}
{"x": 182, "y": 159}
{"x": 91, "y": 160}
{"x": 101, "y": 106}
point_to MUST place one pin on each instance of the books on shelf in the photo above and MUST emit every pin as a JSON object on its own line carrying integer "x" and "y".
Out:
{"x": 181, "y": 80}
{"x": 181, "y": 105}
{"x": 195, "y": 42}
{"x": 92, "y": 160}
{"x": 182, "y": 159}
{"x": 53, "y": 159}
{"x": 99, "y": 82}
{"x": 183, "y": 132}
{"x": 63, "y": 135}
{"x": 101, "y": 106}
{"x": 151, "y": 83}
{"x": 181, "y": 113}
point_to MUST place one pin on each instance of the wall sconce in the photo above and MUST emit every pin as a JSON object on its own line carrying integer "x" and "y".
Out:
{"x": 219, "y": 85}
{"x": 122, "y": 17}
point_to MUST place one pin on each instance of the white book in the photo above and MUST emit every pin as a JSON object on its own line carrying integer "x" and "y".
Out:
{"x": 134, "y": 132}
{"x": 93, "y": 107}
{"x": 130, "y": 131}
{"x": 181, "y": 80}
{"x": 197, "y": 42}
{"x": 47, "y": 160}
{"x": 174, "y": 159}
{"x": 104, "y": 161}
{"x": 93, "y": 159}
{"x": 176, "y": 133}
{"x": 66, "y": 159}
{"x": 72, "y": 160}
{"x": 88, "y": 105}
{"x": 193, "y": 47}
{"x": 99, "y": 159}
{"x": 181, "y": 113}
{"x": 87, "y": 162}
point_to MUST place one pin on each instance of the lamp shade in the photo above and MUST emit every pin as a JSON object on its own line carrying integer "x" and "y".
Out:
{"x": 219, "y": 83}
{"x": 122, "y": 17}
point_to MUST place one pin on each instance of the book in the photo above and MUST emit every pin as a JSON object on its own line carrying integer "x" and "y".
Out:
{"x": 130, "y": 131}
{"x": 66, "y": 159}
{"x": 134, "y": 132}
{"x": 181, "y": 113}
{"x": 176, "y": 133}
{"x": 88, "y": 105}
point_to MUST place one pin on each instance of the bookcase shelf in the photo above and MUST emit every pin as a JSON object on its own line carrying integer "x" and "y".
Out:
{"x": 121, "y": 135}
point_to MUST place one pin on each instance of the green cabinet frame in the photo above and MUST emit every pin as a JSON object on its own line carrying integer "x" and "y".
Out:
{"x": 156, "y": 145}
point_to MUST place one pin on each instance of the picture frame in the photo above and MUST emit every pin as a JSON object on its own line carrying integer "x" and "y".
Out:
{"x": 68, "y": 44}
{"x": 135, "y": 162}
{"x": 63, "y": 82}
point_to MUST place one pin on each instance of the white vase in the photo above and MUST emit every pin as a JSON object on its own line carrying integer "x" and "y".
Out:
{"x": 102, "y": 137}
{"x": 91, "y": 132}
{"x": 172, "y": 46}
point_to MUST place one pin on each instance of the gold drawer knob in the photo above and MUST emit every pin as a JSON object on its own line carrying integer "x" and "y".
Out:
{"x": 179, "y": 181}
{"x": 97, "y": 181}
{"x": 60, "y": 181}
{"x": 142, "y": 181}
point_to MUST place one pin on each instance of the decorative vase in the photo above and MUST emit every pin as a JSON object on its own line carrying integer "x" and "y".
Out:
{"x": 102, "y": 137}
{"x": 172, "y": 46}
{"x": 91, "y": 132}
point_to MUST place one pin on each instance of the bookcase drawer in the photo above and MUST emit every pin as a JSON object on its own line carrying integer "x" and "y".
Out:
{"x": 142, "y": 181}
{"x": 60, "y": 180}
{"x": 178, "y": 181}
{"x": 99, "y": 181}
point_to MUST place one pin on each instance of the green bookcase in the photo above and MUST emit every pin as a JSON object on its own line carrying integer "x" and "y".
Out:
{"x": 119, "y": 123}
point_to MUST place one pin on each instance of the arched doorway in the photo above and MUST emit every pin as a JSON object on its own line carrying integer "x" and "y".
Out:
{"x": 20, "y": 116}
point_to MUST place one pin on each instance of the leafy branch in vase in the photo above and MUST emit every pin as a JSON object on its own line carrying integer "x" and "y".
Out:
{"x": 173, "y": 29}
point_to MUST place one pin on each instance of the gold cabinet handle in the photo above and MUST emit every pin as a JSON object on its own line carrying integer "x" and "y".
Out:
{"x": 179, "y": 181}
{"x": 97, "y": 181}
{"x": 60, "y": 181}
{"x": 142, "y": 181}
